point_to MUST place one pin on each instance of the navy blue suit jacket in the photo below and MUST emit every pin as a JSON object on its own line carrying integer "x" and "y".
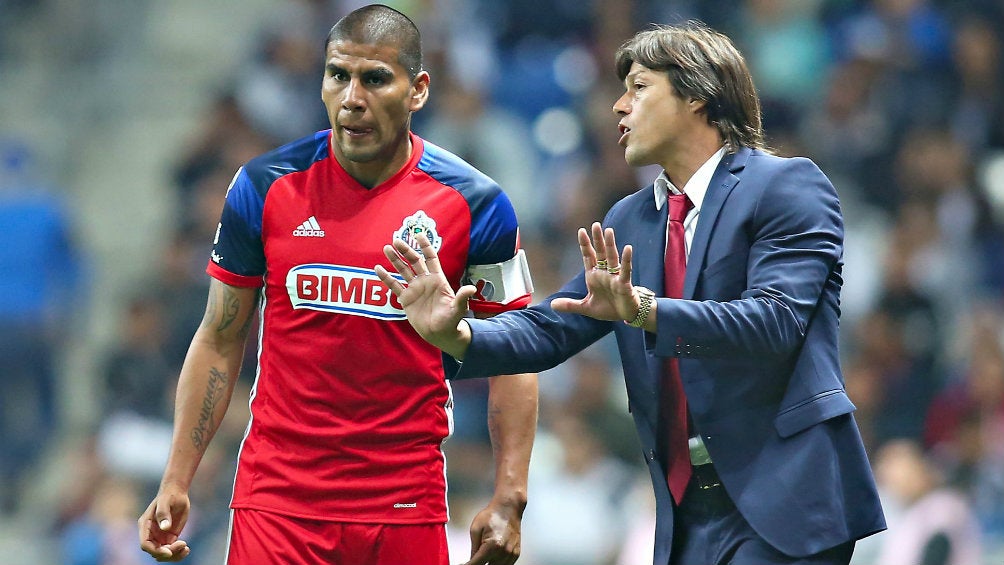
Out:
{"x": 756, "y": 334}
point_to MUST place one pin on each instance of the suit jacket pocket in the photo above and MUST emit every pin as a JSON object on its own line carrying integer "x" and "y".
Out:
{"x": 819, "y": 408}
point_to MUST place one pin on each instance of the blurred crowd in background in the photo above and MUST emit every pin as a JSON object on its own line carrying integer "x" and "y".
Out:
{"x": 900, "y": 102}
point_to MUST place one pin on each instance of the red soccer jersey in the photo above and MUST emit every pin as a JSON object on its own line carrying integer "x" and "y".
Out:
{"x": 350, "y": 406}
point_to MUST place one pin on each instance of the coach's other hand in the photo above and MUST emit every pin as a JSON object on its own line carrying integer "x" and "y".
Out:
{"x": 428, "y": 300}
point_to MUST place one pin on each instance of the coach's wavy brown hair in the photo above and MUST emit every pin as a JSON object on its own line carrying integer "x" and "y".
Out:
{"x": 702, "y": 64}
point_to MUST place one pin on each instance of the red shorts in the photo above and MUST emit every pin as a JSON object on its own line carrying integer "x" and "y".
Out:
{"x": 258, "y": 538}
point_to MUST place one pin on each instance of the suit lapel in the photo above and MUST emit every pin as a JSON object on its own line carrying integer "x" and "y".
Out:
{"x": 722, "y": 183}
{"x": 649, "y": 246}
{"x": 646, "y": 232}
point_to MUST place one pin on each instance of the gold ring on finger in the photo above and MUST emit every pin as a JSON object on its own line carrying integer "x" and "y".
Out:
{"x": 601, "y": 264}
{"x": 614, "y": 270}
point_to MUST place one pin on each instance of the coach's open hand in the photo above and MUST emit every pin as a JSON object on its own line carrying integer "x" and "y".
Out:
{"x": 611, "y": 296}
{"x": 432, "y": 308}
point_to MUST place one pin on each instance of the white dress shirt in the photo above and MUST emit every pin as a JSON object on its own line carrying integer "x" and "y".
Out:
{"x": 695, "y": 188}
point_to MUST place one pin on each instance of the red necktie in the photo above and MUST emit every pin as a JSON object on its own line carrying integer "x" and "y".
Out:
{"x": 674, "y": 401}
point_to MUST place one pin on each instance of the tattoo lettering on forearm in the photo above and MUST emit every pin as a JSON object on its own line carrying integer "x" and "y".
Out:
{"x": 231, "y": 305}
{"x": 215, "y": 389}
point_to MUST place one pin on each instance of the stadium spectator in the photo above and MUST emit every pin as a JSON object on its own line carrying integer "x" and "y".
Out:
{"x": 40, "y": 292}
{"x": 135, "y": 431}
{"x": 977, "y": 112}
{"x": 104, "y": 534}
{"x": 930, "y": 524}
{"x": 579, "y": 491}
{"x": 278, "y": 92}
{"x": 965, "y": 421}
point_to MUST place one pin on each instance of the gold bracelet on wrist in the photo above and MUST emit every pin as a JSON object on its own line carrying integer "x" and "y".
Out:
{"x": 645, "y": 299}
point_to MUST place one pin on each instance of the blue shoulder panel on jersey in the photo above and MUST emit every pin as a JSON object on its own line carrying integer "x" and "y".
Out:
{"x": 238, "y": 246}
{"x": 295, "y": 156}
{"x": 493, "y": 220}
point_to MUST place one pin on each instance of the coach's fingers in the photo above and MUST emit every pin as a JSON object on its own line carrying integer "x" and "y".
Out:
{"x": 399, "y": 264}
{"x": 414, "y": 259}
{"x": 461, "y": 301}
{"x": 429, "y": 254}
{"x": 626, "y": 257}
{"x": 599, "y": 244}
{"x": 391, "y": 282}
{"x": 610, "y": 249}
{"x": 586, "y": 248}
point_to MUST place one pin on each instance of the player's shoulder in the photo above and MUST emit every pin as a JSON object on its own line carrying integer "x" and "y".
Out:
{"x": 295, "y": 156}
{"x": 449, "y": 169}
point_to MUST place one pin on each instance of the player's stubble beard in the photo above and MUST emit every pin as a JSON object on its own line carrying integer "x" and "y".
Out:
{"x": 369, "y": 150}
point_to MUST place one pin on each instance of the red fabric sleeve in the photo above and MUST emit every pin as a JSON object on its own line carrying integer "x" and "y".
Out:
{"x": 232, "y": 279}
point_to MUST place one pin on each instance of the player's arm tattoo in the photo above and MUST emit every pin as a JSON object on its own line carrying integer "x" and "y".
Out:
{"x": 216, "y": 388}
{"x": 231, "y": 305}
{"x": 223, "y": 309}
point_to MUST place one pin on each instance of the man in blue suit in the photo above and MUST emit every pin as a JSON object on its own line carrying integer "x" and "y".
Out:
{"x": 731, "y": 364}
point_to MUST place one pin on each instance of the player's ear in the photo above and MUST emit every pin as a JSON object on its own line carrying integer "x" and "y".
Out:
{"x": 419, "y": 91}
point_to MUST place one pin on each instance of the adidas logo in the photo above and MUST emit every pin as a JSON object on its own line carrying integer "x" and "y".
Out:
{"x": 310, "y": 228}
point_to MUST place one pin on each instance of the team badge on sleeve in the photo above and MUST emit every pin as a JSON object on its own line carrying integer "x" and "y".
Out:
{"x": 415, "y": 224}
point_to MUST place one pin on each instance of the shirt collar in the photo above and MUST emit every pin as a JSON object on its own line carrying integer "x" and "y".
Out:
{"x": 695, "y": 188}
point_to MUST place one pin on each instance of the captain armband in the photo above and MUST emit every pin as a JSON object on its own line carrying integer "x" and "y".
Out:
{"x": 501, "y": 286}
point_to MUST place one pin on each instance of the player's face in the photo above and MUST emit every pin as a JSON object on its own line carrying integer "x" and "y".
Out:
{"x": 370, "y": 98}
{"x": 655, "y": 122}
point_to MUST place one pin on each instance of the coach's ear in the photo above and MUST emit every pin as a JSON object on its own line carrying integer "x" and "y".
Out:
{"x": 696, "y": 106}
{"x": 419, "y": 91}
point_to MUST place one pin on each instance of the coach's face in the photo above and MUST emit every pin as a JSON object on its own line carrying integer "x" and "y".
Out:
{"x": 656, "y": 124}
{"x": 370, "y": 98}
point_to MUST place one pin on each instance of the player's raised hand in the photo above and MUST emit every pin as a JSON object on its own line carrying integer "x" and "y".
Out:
{"x": 610, "y": 294}
{"x": 432, "y": 307}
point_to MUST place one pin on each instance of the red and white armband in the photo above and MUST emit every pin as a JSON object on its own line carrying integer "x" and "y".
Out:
{"x": 501, "y": 286}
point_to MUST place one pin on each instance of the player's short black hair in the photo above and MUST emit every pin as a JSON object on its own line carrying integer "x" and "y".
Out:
{"x": 378, "y": 24}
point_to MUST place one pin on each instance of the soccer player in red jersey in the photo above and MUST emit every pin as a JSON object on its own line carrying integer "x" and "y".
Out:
{"x": 342, "y": 458}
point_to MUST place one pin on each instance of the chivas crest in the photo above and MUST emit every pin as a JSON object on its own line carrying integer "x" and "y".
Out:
{"x": 415, "y": 224}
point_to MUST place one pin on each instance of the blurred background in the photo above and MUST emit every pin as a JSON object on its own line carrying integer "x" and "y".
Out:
{"x": 123, "y": 121}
